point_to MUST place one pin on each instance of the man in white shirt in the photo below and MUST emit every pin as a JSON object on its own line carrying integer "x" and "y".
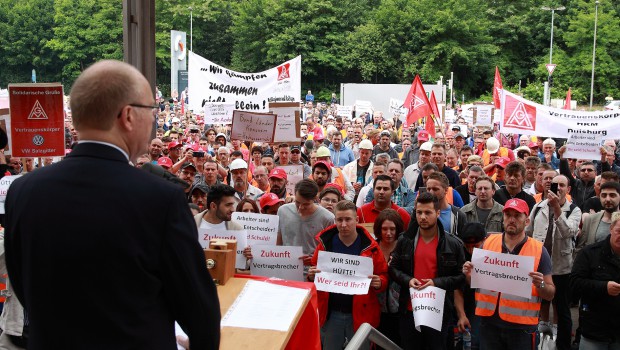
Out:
{"x": 221, "y": 203}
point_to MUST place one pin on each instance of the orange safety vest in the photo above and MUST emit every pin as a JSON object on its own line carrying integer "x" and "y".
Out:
{"x": 512, "y": 308}
{"x": 486, "y": 157}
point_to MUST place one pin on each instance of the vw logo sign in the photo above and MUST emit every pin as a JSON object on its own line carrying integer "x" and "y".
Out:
{"x": 38, "y": 140}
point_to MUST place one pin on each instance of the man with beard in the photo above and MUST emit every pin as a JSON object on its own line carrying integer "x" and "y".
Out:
{"x": 509, "y": 321}
{"x": 208, "y": 177}
{"x": 340, "y": 154}
{"x": 438, "y": 156}
{"x": 239, "y": 179}
{"x": 199, "y": 196}
{"x": 412, "y": 172}
{"x": 483, "y": 209}
{"x": 583, "y": 187}
{"x": 221, "y": 203}
{"x": 596, "y": 226}
{"x": 321, "y": 174}
{"x": 278, "y": 179}
{"x": 383, "y": 189}
{"x": 515, "y": 175}
{"x": 593, "y": 204}
{"x": 155, "y": 150}
{"x": 426, "y": 255}
{"x": 384, "y": 145}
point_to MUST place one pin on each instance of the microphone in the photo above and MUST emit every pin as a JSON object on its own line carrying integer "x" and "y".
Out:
{"x": 161, "y": 172}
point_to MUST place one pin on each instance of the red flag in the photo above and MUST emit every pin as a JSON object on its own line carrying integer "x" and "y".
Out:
{"x": 417, "y": 102}
{"x": 430, "y": 120}
{"x": 497, "y": 86}
{"x": 567, "y": 103}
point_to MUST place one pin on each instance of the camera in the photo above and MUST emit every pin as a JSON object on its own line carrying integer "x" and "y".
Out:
{"x": 198, "y": 154}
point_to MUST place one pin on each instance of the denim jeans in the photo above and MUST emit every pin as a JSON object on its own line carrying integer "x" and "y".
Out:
{"x": 589, "y": 344}
{"x": 493, "y": 337}
{"x": 338, "y": 330}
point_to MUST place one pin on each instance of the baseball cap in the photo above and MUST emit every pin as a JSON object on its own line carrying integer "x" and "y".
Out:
{"x": 385, "y": 133}
{"x": 365, "y": 144}
{"x": 336, "y": 186}
{"x": 518, "y": 205}
{"x": 460, "y": 135}
{"x": 426, "y": 146}
{"x": 492, "y": 145}
{"x": 423, "y": 135}
{"x": 533, "y": 145}
{"x": 295, "y": 148}
{"x": 176, "y": 120}
{"x": 164, "y": 162}
{"x": 456, "y": 127}
{"x": 238, "y": 164}
{"x": 323, "y": 164}
{"x": 278, "y": 173}
{"x": 187, "y": 165}
{"x": 201, "y": 187}
{"x": 269, "y": 199}
{"x": 502, "y": 162}
{"x": 173, "y": 144}
{"x": 323, "y": 152}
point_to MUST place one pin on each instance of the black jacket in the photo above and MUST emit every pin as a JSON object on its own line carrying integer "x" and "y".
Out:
{"x": 463, "y": 190}
{"x": 450, "y": 260}
{"x": 580, "y": 191}
{"x": 594, "y": 266}
{"x": 108, "y": 258}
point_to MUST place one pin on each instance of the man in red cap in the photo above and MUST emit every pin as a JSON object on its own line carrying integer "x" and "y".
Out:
{"x": 174, "y": 151}
{"x": 278, "y": 179}
{"x": 165, "y": 163}
{"x": 270, "y": 203}
{"x": 509, "y": 321}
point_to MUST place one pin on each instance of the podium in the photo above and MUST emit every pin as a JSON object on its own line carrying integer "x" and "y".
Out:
{"x": 304, "y": 332}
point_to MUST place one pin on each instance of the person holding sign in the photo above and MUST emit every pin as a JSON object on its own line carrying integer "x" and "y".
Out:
{"x": 221, "y": 203}
{"x": 425, "y": 255}
{"x": 509, "y": 321}
{"x": 340, "y": 315}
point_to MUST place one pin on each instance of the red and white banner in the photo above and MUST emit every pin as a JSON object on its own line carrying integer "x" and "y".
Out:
{"x": 37, "y": 120}
{"x": 497, "y": 89}
{"x": 522, "y": 116}
{"x": 417, "y": 102}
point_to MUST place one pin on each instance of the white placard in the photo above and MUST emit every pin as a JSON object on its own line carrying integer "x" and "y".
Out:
{"x": 262, "y": 305}
{"x": 521, "y": 116}
{"x": 261, "y": 228}
{"x": 583, "y": 146}
{"x": 218, "y": 112}
{"x": 484, "y": 115}
{"x": 343, "y": 273}
{"x": 427, "y": 305}
{"x": 209, "y": 82}
{"x": 398, "y": 109}
{"x": 277, "y": 261}
{"x": 363, "y": 107}
{"x": 249, "y": 126}
{"x": 344, "y": 111}
{"x": 205, "y": 235}
{"x": 5, "y": 183}
{"x": 449, "y": 116}
{"x": 287, "y": 129}
{"x": 294, "y": 174}
{"x": 505, "y": 273}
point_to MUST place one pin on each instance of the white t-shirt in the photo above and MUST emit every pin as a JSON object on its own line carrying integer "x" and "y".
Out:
{"x": 206, "y": 224}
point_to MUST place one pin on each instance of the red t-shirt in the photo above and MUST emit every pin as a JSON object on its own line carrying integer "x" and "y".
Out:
{"x": 367, "y": 213}
{"x": 425, "y": 260}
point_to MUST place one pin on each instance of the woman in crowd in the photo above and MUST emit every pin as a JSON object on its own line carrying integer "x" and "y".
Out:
{"x": 247, "y": 205}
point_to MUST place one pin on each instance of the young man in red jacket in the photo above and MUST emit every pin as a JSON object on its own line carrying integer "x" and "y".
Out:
{"x": 340, "y": 315}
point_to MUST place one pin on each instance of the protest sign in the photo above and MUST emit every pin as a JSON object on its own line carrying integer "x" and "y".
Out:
{"x": 398, "y": 109}
{"x": 218, "y": 112}
{"x": 248, "y": 126}
{"x": 5, "y": 124}
{"x": 5, "y": 183}
{"x": 294, "y": 173}
{"x": 363, "y": 107}
{"x": 583, "y": 146}
{"x": 277, "y": 261}
{"x": 205, "y": 235}
{"x": 344, "y": 111}
{"x": 449, "y": 116}
{"x": 343, "y": 273}
{"x": 261, "y": 228}
{"x": 209, "y": 82}
{"x": 37, "y": 120}
{"x": 521, "y": 116}
{"x": 483, "y": 115}
{"x": 427, "y": 305}
{"x": 287, "y": 126}
{"x": 500, "y": 272}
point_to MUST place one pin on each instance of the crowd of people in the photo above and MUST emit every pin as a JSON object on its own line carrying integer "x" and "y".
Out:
{"x": 428, "y": 200}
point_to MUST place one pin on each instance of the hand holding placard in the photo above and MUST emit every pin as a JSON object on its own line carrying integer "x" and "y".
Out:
{"x": 342, "y": 273}
{"x": 427, "y": 305}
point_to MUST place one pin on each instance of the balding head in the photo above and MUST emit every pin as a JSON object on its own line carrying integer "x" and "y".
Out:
{"x": 101, "y": 91}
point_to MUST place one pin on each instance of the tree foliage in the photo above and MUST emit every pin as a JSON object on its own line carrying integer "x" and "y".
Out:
{"x": 375, "y": 41}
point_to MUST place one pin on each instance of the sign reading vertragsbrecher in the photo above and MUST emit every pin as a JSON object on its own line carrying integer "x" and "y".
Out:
{"x": 277, "y": 261}
{"x": 500, "y": 272}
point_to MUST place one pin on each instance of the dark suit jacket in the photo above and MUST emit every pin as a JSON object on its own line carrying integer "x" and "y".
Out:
{"x": 106, "y": 256}
{"x": 463, "y": 190}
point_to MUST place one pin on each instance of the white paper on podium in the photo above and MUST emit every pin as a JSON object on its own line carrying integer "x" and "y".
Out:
{"x": 262, "y": 305}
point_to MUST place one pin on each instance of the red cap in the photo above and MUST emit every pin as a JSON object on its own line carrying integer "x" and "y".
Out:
{"x": 269, "y": 199}
{"x": 533, "y": 145}
{"x": 164, "y": 162}
{"x": 336, "y": 186}
{"x": 518, "y": 205}
{"x": 173, "y": 144}
{"x": 423, "y": 135}
{"x": 278, "y": 173}
{"x": 502, "y": 162}
{"x": 324, "y": 164}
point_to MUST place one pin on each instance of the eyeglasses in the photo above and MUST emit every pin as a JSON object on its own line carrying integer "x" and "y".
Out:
{"x": 154, "y": 109}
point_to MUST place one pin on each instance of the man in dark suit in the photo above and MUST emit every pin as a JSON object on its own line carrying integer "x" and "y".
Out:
{"x": 108, "y": 257}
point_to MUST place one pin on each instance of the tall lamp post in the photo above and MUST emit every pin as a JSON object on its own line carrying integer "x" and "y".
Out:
{"x": 191, "y": 29}
{"x": 552, "y": 9}
{"x": 593, "y": 53}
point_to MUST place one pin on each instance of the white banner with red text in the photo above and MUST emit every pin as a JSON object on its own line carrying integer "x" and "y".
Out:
{"x": 343, "y": 273}
{"x": 505, "y": 273}
{"x": 277, "y": 261}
